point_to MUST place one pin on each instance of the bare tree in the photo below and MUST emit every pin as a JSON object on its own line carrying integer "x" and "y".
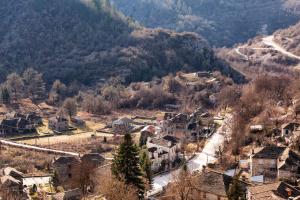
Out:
{"x": 15, "y": 85}
{"x": 181, "y": 188}
{"x": 34, "y": 84}
{"x": 112, "y": 188}
{"x": 70, "y": 107}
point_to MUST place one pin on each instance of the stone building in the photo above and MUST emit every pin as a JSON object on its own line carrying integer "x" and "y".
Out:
{"x": 58, "y": 124}
{"x": 67, "y": 171}
{"x": 275, "y": 162}
{"x": 163, "y": 152}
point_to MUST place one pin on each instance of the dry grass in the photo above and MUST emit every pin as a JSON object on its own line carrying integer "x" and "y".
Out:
{"x": 25, "y": 161}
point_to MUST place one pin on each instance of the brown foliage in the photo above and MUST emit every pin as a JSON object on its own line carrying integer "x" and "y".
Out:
{"x": 112, "y": 188}
{"x": 154, "y": 97}
{"x": 181, "y": 188}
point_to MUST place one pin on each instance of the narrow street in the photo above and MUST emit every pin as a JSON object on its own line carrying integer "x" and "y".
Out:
{"x": 208, "y": 155}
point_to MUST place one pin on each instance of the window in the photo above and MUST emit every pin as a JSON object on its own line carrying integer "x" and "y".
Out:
{"x": 70, "y": 175}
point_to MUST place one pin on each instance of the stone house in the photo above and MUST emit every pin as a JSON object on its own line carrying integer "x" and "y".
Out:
{"x": 9, "y": 171}
{"x": 148, "y": 131}
{"x": 34, "y": 118}
{"x": 58, "y": 124}
{"x": 74, "y": 194}
{"x": 275, "y": 191}
{"x": 288, "y": 129}
{"x": 11, "y": 188}
{"x": 163, "y": 152}
{"x": 91, "y": 160}
{"x": 67, "y": 171}
{"x": 11, "y": 184}
{"x": 176, "y": 125}
{"x": 275, "y": 162}
{"x": 212, "y": 185}
{"x": 78, "y": 121}
{"x": 122, "y": 125}
{"x": 70, "y": 170}
{"x": 15, "y": 126}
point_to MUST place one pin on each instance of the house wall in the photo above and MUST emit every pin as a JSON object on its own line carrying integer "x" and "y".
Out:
{"x": 201, "y": 195}
{"x": 266, "y": 167}
{"x": 285, "y": 174}
{"x": 286, "y": 132}
{"x": 68, "y": 174}
{"x": 58, "y": 126}
{"x": 170, "y": 157}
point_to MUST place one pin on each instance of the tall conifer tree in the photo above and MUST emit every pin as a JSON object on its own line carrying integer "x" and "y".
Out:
{"x": 126, "y": 164}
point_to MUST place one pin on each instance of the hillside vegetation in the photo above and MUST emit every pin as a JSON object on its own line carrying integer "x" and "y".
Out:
{"x": 222, "y": 23}
{"x": 278, "y": 53}
{"x": 88, "y": 40}
{"x": 289, "y": 38}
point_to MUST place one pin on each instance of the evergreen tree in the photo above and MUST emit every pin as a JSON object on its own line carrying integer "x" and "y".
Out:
{"x": 126, "y": 164}
{"x": 5, "y": 97}
{"x": 146, "y": 167}
{"x": 236, "y": 191}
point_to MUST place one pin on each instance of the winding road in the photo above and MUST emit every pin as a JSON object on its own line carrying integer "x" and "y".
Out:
{"x": 269, "y": 41}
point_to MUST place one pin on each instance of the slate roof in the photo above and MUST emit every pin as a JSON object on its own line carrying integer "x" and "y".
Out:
{"x": 270, "y": 191}
{"x": 9, "y": 123}
{"x": 9, "y": 171}
{"x": 292, "y": 162}
{"x": 180, "y": 118}
{"x": 213, "y": 182}
{"x": 270, "y": 152}
{"x": 121, "y": 121}
{"x": 93, "y": 157}
{"x": 290, "y": 125}
{"x": 66, "y": 160}
{"x": 165, "y": 141}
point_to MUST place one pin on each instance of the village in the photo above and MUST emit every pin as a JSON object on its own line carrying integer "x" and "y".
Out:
{"x": 66, "y": 152}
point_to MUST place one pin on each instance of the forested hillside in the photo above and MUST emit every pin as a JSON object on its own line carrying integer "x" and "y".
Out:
{"x": 89, "y": 40}
{"x": 221, "y": 22}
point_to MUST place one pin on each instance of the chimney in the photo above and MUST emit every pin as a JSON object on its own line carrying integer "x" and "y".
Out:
{"x": 289, "y": 192}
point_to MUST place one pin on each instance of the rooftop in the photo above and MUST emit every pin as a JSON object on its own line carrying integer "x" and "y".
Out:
{"x": 213, "y": 182}
{"x": 66, "y": 160}
{"x": 278, "y": 190}
{"x": 166, "y": 141}
{"x": 270, "y": 152}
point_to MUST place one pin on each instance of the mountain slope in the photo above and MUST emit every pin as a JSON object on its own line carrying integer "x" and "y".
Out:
{"x": 277, "y": 53}
{"x": 222, "y": 23}
{"x": 289, "y": 38}
{"x": 88, "y": 40}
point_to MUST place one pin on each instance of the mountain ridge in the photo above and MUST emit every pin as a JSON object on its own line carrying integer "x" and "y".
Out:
{"x": 222, "y": 23}
{"x": 90, "y": 40}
